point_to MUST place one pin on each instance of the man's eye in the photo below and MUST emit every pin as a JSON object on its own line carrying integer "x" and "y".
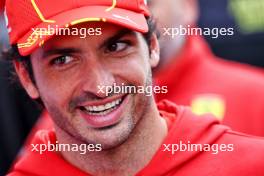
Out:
{"x": 62, "y": 60}
{"x": 117, "y": 46}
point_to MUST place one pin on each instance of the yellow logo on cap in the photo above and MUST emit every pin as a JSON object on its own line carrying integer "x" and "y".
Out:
{"x": 209, "y": 103}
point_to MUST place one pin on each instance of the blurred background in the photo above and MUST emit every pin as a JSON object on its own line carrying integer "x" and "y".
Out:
{"x": 18, "y": 113}
{"x": 247, "y": 18}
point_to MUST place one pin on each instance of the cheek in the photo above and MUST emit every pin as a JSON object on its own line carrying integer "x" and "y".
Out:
{"x": 54, "y": 90}
{"x": 133, "y": 70}
{"x": 135, "y": 67}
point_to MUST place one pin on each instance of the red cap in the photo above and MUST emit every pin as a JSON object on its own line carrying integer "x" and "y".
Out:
{"x": 25, "y": 15}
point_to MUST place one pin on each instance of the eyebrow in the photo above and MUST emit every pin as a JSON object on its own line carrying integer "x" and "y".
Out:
{"x": 60, "y": 51}
{"x": 66, "y": 51}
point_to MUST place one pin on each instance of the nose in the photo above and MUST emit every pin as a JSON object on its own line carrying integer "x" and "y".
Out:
{"x": 96, "y": 78}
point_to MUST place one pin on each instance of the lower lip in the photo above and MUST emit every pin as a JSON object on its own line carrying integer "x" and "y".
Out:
{"x": 100, "y": 121}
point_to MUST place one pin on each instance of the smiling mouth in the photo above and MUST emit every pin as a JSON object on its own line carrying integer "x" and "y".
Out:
{"x": 103, "y": 109}
{"x": 105, "y": 112}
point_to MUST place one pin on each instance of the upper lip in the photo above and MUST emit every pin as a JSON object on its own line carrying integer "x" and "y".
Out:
{"x": 102, "y": 101}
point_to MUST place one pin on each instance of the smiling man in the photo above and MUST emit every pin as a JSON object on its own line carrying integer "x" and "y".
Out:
{"x": 124, "y": 133}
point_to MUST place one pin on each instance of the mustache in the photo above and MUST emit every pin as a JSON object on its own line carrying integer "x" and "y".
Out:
{"x": 85, "y": 97}
{"x": 88, "y": 96}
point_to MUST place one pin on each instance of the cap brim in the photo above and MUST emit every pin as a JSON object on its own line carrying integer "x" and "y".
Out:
{"x": 126, "y": 18}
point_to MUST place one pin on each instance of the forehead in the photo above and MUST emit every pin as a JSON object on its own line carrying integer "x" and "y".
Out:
{"x": 85, "y": 32}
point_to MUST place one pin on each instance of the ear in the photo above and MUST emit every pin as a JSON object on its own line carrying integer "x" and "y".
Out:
{"x": 154, "y": 51}
{"x": 25, "y": 80}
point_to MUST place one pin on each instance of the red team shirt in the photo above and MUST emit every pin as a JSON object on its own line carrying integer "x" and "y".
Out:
{"x": 233, "y": 92}
{"x": 246, "y": 158}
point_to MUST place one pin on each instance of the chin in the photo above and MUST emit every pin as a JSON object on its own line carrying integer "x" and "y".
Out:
{"x": 109, "y": 137}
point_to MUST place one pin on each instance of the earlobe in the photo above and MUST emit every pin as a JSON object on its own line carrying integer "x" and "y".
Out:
{"x": 25, "y": 80}
{"x": 155, "y": 51}
{"x": 154, "y": 60}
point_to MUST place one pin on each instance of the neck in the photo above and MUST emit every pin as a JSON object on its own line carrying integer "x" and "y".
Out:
{"x": 126, "y": 159}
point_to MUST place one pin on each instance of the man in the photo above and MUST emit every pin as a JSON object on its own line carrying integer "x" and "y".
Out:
{"x": 186, "y": 62}
{"x": 195, "y": 77}
{"x": 123, "y": 133}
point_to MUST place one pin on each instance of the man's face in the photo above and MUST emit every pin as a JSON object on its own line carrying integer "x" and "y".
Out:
{"x": 68, "y": 71}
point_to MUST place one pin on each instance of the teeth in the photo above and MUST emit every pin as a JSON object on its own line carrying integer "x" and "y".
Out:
{"x": 108, "y": 105}
{"x": 103, "y": 109}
